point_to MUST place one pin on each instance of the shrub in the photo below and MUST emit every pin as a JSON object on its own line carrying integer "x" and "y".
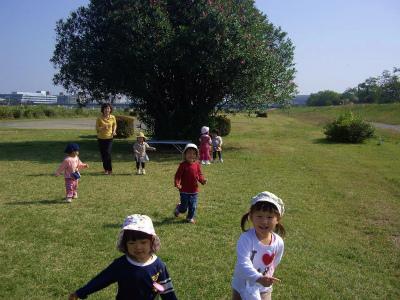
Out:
{"x": 222, "y": 123}
{"x": 6, "y": 113}
{"x": 261, "y": 114}
{"x": 348, "y": 128}
{"x": 125, "y": 126}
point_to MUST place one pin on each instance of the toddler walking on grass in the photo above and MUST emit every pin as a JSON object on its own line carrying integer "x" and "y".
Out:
{"x": 70, "y": 167}
{"x": 186, "y": 181}
{"x": 139, "y": 149}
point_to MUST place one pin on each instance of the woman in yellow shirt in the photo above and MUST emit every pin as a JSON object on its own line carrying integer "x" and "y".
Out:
{"x": 106, "y": 127}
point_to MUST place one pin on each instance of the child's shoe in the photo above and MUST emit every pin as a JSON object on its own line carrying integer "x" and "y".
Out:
{"x": 203, "y": 162}
{"x": 68, "y": 200}
{"x": 191, "y": 221}
{"x": 138, "y": 172}
{"x": 208, "y": 162}
{"x": 176, "y": 211}
{"x": 143, "y": 172}
{"x": 221, "y": 160}
{"x": 75, "y": 196}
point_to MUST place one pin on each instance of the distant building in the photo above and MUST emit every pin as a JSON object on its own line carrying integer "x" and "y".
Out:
{"x": 40, "y": 97}
{"x": 66, "y": 99}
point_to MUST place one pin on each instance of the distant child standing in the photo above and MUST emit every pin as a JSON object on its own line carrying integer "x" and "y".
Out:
{"x": 70, "y": 167}
{"x": 259, "y": 249}
{"x": 205, "y": 142}
{"x": 186, "y": 181}
{"x": 140, "y": 274}
{"x": 139, "y": 149}
{"x": 216, "y": 142}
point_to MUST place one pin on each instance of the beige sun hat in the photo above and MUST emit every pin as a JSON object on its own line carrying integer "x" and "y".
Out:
{"x": 141, "y": 135}
{"x": 271, "y": 198}
{"x": 140, "y": 223}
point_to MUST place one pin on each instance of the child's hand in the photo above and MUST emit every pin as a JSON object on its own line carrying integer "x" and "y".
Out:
{"x": 178, "y": 186}
{"x": 86, "y": 166}
{"x": 73, "y": 296}
{"x": 56, "y": 174}
{"x": 267, "y": 281}
{"x": 204, "y": 182}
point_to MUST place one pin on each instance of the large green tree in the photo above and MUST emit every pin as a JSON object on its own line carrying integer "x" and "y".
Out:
{"x": 176, "y": 59}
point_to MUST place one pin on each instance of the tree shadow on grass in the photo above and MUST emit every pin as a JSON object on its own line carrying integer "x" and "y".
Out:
{"x": 324, "y": 141}
{"x": 53, "y": 151}
{"x": 38, "y": 202}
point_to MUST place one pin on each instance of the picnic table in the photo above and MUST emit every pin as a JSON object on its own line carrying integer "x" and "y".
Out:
{"x": 178, "y": 144}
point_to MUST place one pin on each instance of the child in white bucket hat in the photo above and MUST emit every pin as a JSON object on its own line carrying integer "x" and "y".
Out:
{"x": 205, "y": 145}
{"x": 140, "y": 274}
{"x": 259, "y": 249}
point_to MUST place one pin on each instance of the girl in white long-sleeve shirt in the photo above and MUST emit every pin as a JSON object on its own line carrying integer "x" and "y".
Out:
{"x": 259, "y": 249}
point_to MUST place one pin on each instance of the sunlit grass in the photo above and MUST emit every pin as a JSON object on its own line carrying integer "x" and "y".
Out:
{"x": 342, "y": 219}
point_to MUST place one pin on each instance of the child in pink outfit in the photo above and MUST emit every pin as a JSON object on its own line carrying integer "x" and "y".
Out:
{"x": 70, "y": 167}
{"x": 205, "y": 143}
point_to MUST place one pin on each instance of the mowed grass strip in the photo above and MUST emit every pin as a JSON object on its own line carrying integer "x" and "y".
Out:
{"x": 343, "y": 203}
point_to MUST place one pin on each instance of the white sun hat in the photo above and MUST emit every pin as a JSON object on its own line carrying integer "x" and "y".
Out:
{"x": 271, "y": 198}
{"x": 204, "y": 129}
{"x": 140, "y": 223}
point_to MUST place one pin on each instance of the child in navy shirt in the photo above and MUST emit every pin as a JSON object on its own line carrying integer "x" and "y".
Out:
{"x": 140, "y": 274}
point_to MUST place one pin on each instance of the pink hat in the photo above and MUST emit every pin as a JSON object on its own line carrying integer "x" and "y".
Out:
{"x": 205, "y": 129}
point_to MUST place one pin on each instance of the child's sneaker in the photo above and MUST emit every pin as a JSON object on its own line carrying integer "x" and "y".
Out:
{"x": 138, "y": 172}
{"x": 221, "y": 160}
{"x": 191, "y": 221}
{"x": 75, "y": 196}
{"x": 176, "y": 211}
{"x": 208, "y": 162}
{"x": 68, "y": 200}
{"x": 143, "y": 172}
{"x": 203, "y": 162}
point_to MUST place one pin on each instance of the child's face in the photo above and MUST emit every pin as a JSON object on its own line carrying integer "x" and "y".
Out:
{"x": 74, "y": 153}
{"x": 264, "y": 222}
{"x": 191, "y": 155}
{"x": 140, "y": 140}
{"x": 139, "y": 250}
{"x": 213, "y": 134}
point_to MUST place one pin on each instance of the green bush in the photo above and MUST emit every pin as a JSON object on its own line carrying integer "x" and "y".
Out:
{"x": 125, "y": 126}
{"x": 6, "y": 113}
{"x": 222, "y": 123}
{"x": 348, "y": 128}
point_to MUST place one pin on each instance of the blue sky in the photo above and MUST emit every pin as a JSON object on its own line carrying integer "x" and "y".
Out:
{"x": 338, "y": 43}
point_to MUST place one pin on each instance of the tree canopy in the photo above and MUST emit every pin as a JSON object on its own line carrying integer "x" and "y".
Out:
{"x": 176, "y": 59}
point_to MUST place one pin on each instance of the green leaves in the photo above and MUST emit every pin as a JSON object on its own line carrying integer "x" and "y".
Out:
{"x": 177, "y": 59}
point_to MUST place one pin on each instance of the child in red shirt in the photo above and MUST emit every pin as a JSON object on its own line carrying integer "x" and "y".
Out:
{"x": 186, "y": 178}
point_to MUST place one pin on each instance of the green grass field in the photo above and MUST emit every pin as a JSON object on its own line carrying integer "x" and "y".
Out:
{"x": 342, "y": 218}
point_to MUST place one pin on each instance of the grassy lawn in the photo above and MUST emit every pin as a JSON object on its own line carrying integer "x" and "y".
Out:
{"x": 342, "y": 218}
{"x": 381, "y": 113}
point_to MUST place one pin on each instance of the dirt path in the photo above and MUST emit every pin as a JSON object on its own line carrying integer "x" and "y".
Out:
{"x": 85, "y": 123}
{"x": 386, "y": 126}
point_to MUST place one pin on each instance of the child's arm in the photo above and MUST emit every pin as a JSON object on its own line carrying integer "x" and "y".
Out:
{"x": 178, "y": 176}
{"x": 82, "y": 165}
{"x": 201, "y": 178}
{"x": 244, "y": 264}
{"x": 165, "y": 281}
{"x": 61, "y": 168}
{"x": 101, "y": 281}
{"x": 148, "y": 147}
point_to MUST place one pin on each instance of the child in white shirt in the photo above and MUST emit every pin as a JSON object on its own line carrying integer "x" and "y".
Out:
{"x": 259, "y": 249}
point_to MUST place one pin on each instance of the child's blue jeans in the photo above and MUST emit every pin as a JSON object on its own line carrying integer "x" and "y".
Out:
{"x": 189, "y": 203}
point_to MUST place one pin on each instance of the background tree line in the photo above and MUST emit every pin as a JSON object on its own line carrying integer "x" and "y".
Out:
{"x": 381, "y": 89}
